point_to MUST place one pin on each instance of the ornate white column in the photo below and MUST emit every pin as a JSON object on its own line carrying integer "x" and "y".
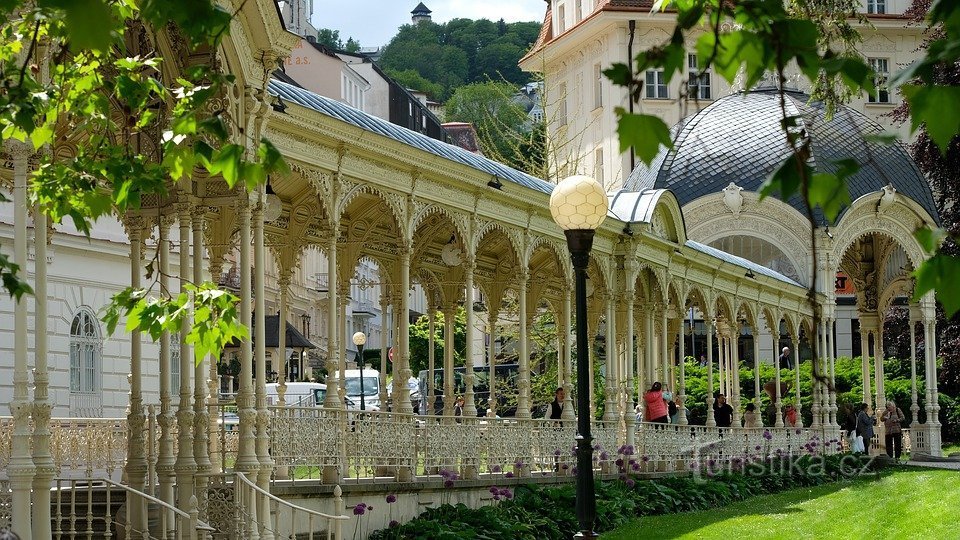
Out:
{"x": 865, "y": 358}
{"x": 186, "y": 466}
{"x": 42, "y": 408}
{"x": 201, "y": 417}
{"x": 832, "y": 363}
{"x": 629, "y": 417}
{"x": 385, "y": 327}
{"x": 213, "y": 391}
{"x": 777, "y": 399}
{"x": 470, "y": 406}
{"x": 932, "y": 424}
{"x": 21, "y": 467}
{"x": 755, "y": 331}
{"x": 682, "y": 387}
{"x": 664, "y": 347}
{"x": 914, "y": 404}
{"x": 610, "y": 394}
{"x": 283, "y": 282}
{"x": 735, "y": 371}
{"x": 342, "y": 296}
{"x": 878, "y": 370}
{"x": 400, "y": 387}
{"x": 708, "y": 323}
{"x": 449, "y": 397}
{"x": 165, "y": 456}
{"x": 246, "y": 453}
{"x": 260, "y": 345}
{"x": 796, "y": 372}
{"x": 492, "y": 316}
{"x": 568, "y": 412}
{"x": 331, "y": 400}
{"x": 815, "y": 369}
{"x": 136, "y": 467}
{"x": 721, "y": 349}
{"x": 523, "y": 400}
{"x": 431, "y": 360}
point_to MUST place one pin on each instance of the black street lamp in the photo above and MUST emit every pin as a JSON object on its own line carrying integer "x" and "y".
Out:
{"x": 360, "y": 339}
{"x": 579, "y": 205}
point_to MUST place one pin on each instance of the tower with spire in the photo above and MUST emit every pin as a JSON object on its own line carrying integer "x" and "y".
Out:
{"x": 420, "y": 14}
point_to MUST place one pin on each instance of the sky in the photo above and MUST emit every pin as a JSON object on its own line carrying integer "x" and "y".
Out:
{"x": 374, "y": 22}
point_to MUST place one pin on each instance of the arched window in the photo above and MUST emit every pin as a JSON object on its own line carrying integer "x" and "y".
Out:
{"x": 759, "y": 251}
{"x": 86, "y": 348}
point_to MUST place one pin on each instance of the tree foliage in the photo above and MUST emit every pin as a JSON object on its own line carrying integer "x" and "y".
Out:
{"x": 420, "y": 341}
{"x": 461, "y": 51}
{"x": 69, "y": 73}
{"x": 503, "y": 128}
{"x": 331, "y": 38}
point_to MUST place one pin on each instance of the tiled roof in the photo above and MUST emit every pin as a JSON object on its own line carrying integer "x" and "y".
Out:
{"x": 738, "y": 139}
{"x": 362, "y": 120}
{"x": 740, "y": 261}
{"x": 545, "y": 35}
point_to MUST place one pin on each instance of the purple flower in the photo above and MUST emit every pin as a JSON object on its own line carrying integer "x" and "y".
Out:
{"x": 518, "y": 464}
{"x": 370, "y": 508}
{"x": 394, "y": 524}
{"x": 391, "y": 498}
{"x": 509, "y": 474}
{"x": 799, "y": 431}
{"x": 757, "y": 447}
{"x": 623, "y": 478}
{"x": 494, "y": 490}
{"x": 604, "y": 456}
{"x": 619, "y": 462}
{"x": 496, "y": 468}
{"x": 631, "y": 483}
{"x": 767, "y": 435}
{"x": 564, "y": 466}
{"x": 360, "y": 509}
{"x": 596, "y": 446}
{"x": 496, "y": 497}
{"x": 635, "y": 466}
{"x": 448, "y": 483}
{"x": 574, "y": 471}
{"x": 556, "y": 452}
{"x": 507, "y": 493}
{"x": 645, "y": 459}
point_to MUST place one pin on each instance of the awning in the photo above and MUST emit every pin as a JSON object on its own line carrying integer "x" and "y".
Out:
{"x": 295, "y": 339}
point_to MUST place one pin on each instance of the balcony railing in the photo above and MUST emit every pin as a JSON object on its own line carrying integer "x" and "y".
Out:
{"x": 364, "y": 308}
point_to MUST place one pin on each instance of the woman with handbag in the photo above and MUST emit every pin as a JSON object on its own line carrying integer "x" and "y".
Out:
{"x": 865, "y": 424}
{"x": 893, "y": 428}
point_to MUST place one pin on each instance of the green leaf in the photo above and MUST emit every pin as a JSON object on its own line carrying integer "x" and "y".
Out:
{"x": 939, "y": 273}
{"x": 644, "y": 132}
{"x": 935, "y": 106}
{"x": 619, "y": 74}
{"x": 786, "y": 180}
{"x": 930, "y": 239}
{"x": 89, "y": 23}
{"x": 830, "y": 193}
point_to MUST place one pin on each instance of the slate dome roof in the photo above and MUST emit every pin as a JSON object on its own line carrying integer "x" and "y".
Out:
{"x": 738, "y": 139}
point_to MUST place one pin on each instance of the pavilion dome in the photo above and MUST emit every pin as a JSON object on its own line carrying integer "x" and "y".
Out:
{"x": 738, "y": 139}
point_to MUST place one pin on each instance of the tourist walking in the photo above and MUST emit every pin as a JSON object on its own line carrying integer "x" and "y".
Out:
{"x": 893, "y": 429}
{"x": 556, "y": 406}
{"x": 458, "y": 409}
{"x": 790, "y": 417}
{"x": 722, "y": 412}
{"x": 865, "y": 424}
{"x": 656, "y": 406}
{"x": 785, "y": 361}
{"x": 751, "y": 419}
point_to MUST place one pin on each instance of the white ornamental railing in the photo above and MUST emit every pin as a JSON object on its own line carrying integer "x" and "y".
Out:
{"x": 101, "y": 508}
{"x": 234, "y": 510}
{"x": 81, "y": 447}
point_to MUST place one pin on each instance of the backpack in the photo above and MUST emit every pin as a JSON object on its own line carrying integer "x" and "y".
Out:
{"x": 672, "y": 407}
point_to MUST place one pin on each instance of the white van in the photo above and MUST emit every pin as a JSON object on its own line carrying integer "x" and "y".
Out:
{"x": 370, "y": 384}
{"x": 299, "y": 394}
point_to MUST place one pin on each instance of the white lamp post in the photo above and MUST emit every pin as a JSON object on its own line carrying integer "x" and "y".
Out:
{"x": 360, "y": 339}
{"x": 579, "y": 205}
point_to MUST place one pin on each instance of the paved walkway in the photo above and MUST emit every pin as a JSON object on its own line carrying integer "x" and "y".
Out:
{"x": 951, "y": 465}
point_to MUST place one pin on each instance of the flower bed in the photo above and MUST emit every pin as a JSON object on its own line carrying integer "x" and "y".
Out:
{"x": 548, "y": 512}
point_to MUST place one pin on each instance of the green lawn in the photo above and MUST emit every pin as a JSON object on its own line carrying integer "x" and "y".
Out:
{"x": 905, "y": 504}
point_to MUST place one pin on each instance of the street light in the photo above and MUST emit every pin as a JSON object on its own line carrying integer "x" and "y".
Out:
{"x": 579, "y": 205}
{"x": 360, "y": 339}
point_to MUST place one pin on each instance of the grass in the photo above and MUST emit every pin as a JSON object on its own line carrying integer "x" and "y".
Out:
{"x": 894, "y": 505}
{"x": 953, "y": 448}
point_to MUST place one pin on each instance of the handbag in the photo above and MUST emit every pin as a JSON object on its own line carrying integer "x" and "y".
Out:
{"x": 858, "y": 444}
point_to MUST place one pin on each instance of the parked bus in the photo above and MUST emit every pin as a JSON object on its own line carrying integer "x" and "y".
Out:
{"x": 505, "y": 388}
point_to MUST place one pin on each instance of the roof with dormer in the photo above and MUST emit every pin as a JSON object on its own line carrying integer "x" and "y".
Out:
{"x": 739, "y": 139}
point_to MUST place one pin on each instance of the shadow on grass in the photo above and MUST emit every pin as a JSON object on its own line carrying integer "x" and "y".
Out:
{"x": 676, "y": 525}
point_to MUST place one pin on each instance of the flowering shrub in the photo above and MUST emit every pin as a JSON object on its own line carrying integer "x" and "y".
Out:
{"x": 534, "y": 512}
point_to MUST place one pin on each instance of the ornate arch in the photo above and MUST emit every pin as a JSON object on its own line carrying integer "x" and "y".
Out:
{"x": 898, "y": 221}
{"x": 393, "y": 201}
{"x": 458, "y": 221}
{"x": 488, "y": 227}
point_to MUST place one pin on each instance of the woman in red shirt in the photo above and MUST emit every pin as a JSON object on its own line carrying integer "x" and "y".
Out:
{"x": 656, "y": 406}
